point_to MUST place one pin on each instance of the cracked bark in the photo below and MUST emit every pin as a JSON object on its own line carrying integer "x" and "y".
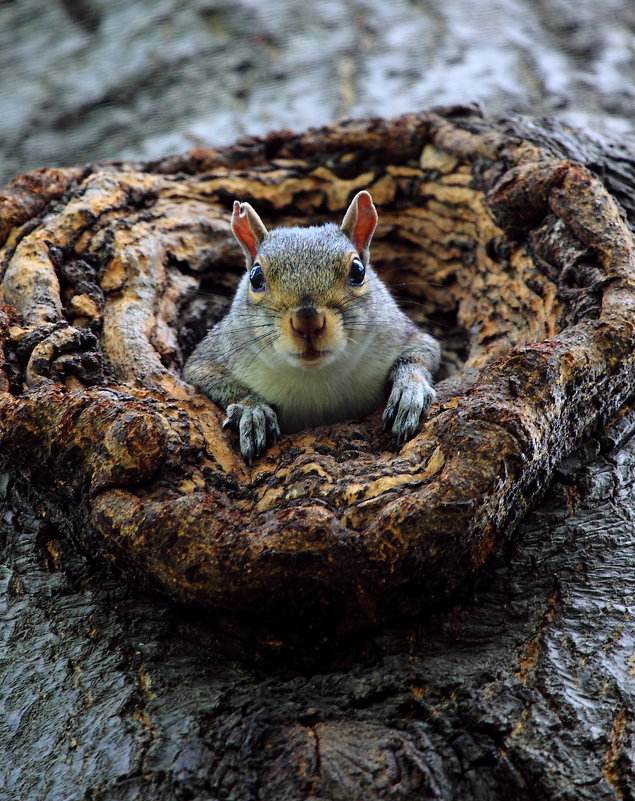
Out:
{"x": 522, "y": 261}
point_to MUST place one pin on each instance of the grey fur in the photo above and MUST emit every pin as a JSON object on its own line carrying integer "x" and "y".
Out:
{"x": 410, "y": 397}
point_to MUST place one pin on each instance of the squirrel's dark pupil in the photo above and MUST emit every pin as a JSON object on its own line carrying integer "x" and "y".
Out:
{"x": 357, "y": 272}
{"x": 257, "y": 277}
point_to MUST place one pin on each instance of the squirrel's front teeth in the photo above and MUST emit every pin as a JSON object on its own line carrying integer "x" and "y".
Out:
{"x": 311, "y": 354}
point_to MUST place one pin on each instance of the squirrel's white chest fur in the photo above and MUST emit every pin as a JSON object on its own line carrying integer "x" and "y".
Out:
{"x": 351, "y": 386}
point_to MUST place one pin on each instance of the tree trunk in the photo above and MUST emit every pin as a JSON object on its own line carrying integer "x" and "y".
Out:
{"x": 462, "y": 662}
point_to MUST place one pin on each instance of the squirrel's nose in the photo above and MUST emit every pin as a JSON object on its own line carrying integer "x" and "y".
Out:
{"x": 307, "y": 322}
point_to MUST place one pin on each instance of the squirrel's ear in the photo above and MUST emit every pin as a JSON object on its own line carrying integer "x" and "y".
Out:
{"x": 248, "y": 229}
{"x": 360, "y": 221}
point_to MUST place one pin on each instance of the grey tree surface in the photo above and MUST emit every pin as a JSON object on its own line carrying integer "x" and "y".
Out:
{"x": 523, "y": 687}
{"x": 86, "y": 80}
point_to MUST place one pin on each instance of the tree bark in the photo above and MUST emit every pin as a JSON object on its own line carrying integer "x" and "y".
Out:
{"x": 508, "y": 238}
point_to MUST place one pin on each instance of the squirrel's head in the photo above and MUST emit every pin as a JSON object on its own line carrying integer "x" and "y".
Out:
{"x": 313, "y": 281}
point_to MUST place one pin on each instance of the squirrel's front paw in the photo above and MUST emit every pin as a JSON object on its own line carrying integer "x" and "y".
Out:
{"x": 410, "y": 397}
{"x": 257, "y": 426}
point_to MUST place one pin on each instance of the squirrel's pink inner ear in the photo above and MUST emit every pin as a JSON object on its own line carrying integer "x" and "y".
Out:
{"x": 243, "y": 231}
{"x": 365, "y": 222}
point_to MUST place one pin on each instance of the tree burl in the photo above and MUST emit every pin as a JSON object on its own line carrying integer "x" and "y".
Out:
{"x": 520, "y": 261}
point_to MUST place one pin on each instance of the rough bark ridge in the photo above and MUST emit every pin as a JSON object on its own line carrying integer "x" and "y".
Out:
{"x": 528, "y": 254}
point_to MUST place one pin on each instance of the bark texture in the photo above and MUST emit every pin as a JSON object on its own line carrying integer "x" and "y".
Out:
{"x": 504, "y": 235}
{"x": 528, "y": 255}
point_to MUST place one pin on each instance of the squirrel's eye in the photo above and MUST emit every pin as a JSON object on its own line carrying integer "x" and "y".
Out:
{"x": 257, "y": 278}
{"x": 357, "y": 273}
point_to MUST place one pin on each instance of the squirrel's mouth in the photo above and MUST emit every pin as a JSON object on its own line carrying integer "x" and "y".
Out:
{"x": 310, "y": 354}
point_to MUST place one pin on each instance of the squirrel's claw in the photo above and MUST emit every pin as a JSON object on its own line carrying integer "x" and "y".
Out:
{"x": 273, "y": 429}
{"x": 257, "y": 425}
{"x": 233, "y": 416}
{"x": 409, "y": 399}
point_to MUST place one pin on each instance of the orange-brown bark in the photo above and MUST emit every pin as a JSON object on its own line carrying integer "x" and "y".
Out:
{"x": 522, "y": 262}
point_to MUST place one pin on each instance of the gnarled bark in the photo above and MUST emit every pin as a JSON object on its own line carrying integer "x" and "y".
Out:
{"x": 528, "y": 254}
{"x": 522, "y": 687}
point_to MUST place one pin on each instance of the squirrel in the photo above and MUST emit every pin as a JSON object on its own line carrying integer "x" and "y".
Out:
{"x": 313, "y": 335}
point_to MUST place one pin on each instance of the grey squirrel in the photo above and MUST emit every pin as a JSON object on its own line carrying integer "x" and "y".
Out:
{"x": 312, "y": 336}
